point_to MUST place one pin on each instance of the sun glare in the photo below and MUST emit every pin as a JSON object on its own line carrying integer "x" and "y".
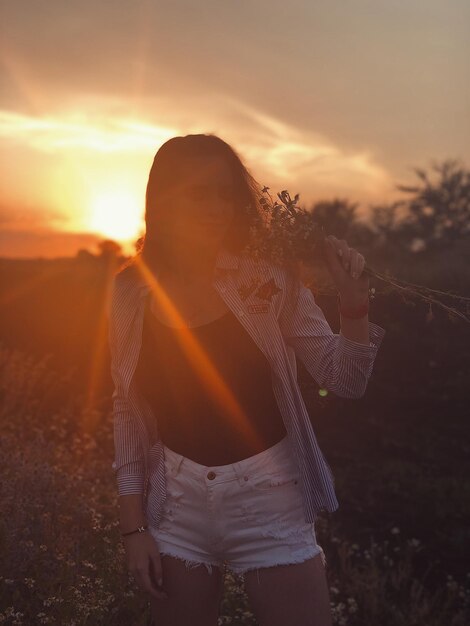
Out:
{"x": 115, "y": 214}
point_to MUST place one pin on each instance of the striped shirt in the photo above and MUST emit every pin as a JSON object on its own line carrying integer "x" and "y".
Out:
{"x": 282, "y": 317}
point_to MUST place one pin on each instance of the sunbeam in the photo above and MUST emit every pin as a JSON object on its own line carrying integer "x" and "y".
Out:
{"x": 201, "y": 362}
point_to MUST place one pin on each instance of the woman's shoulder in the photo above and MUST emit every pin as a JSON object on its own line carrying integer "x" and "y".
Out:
{"x": 124, "y": 289}
{"x": 127, "y": 276}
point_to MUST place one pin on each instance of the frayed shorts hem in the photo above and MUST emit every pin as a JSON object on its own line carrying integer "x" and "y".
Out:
{"x": 240, "y": 571}
{"x": 190, "y": 563}
{"x": 236, "y": 569}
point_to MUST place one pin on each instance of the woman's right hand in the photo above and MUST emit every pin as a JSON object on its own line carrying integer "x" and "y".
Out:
{"x": 144, "y": 563}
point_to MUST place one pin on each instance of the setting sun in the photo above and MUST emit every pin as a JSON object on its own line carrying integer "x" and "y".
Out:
{"x": 116, "y": 214}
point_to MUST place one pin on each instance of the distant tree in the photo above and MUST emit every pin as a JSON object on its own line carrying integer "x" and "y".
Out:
{"x": 109, "y": 248}
{"x": 439, "y": 212}
{"x": 339, "y": 218}
{"x": 336, "y": 216}
{"x": 85, "y": 255}
{"x": 384, "y": 219}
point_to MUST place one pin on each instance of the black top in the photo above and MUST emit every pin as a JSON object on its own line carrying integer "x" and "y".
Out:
{"x": 191, "y": 406}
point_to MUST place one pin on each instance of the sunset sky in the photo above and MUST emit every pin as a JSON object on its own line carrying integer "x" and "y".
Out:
{"x": 326, "y": 99}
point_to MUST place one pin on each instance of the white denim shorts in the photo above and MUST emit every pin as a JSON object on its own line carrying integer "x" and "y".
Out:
{"x": 243, "y": 516}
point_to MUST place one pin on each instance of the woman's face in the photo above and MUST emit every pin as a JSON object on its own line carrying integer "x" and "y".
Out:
{"x": 202, "y": 207}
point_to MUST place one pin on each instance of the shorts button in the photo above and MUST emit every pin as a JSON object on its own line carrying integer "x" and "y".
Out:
{"x": 211, "y": 475}
{"x": 245, "y": 477}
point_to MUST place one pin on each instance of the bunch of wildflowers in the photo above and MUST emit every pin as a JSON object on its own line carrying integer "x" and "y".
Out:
{"x": 286, "y": 232}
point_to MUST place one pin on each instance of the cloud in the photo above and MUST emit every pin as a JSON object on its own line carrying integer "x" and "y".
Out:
{"x": 97, "y": 134}
{"x": 305, "y": 159}
{"x": 17, "y": 217}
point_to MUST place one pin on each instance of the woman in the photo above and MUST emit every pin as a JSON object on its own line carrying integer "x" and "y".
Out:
{"x": 216, "y": 460}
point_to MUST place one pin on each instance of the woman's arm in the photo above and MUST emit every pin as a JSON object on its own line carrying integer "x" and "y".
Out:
{"x": 131, "y": 514}
{"x": 128, "y": 463}
{"x": 341, "y": 363}
{"x": 355, "y": 329}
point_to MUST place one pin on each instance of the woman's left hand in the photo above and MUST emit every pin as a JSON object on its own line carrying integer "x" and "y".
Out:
{"x": 345, "y": 265}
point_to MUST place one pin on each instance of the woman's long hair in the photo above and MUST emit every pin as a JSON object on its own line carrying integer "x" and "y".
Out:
{"x": 168, "y": 169}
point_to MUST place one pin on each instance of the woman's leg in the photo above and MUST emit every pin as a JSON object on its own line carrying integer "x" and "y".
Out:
{"x": 295, "y": 594}
{"x": 194, "y": 594}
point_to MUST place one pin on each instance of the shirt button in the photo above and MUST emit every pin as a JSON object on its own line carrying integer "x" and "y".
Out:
{"x": 211, "y": 475}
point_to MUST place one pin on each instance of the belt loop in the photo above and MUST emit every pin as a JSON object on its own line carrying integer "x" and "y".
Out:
{"x": 174, "y": 464}
{"x": 177, "y": 466}
{"x": 238, "y": 471}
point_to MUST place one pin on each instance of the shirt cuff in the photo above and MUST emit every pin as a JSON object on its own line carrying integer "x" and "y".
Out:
{"x": 130, "y": 484}
{"x": 355, "y": 349}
